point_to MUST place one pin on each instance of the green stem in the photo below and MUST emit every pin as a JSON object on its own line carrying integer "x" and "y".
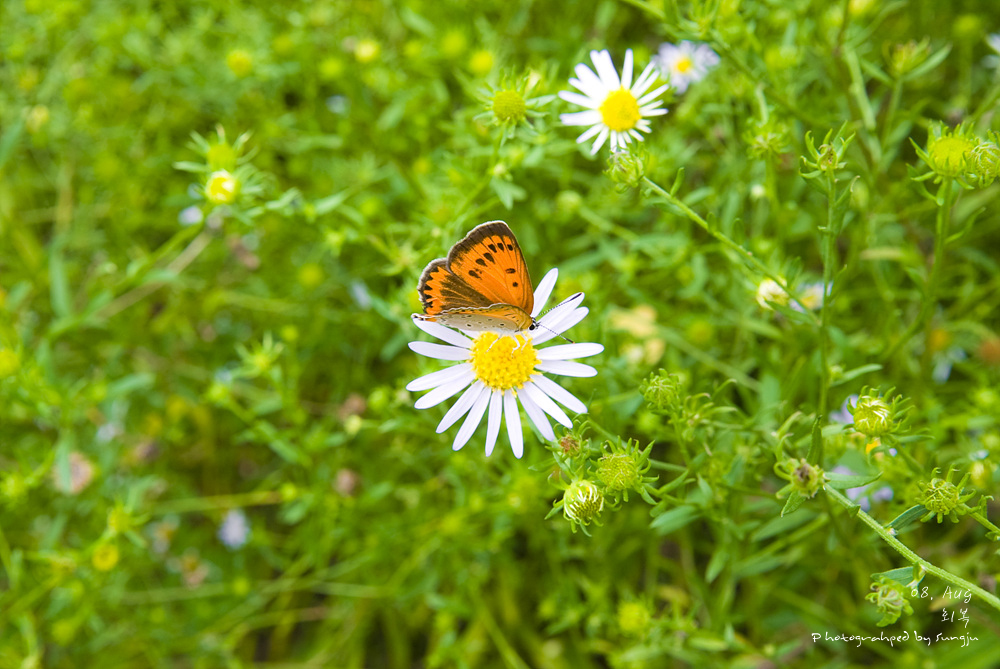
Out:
{"x": 178, "y": 265}
{"x": 218, "y": 502}
{"x": 984, "y": 521}
{"x": 909, "y": 555}
{"x": 945, "y": 199}
{"x": 829, "y": 237}
{"x": 725, "y": 241}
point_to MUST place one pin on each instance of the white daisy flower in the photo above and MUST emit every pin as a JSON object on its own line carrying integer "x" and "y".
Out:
{"x": 616, "y": 108}
{"x": 686, "y": 63}
{"x": 498, "y": 371}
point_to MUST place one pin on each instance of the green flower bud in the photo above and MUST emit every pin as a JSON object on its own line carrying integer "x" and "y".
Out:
{"x": 634, "y": 618}
{"x": 943, "y": 498}
{"x": 626, "y": 168}
{"x": 906, "y": 57}
{"x": 984, "y": 163}
{"x": 509, "y": 106}
{"x": 583, "y": 502}
{"x": 889, "y": 598}
{"x": 663, "y": 391}
{"x": 618, "y": 472}
{"x": 804, "y": 478}
{"x": 872, "y": 416}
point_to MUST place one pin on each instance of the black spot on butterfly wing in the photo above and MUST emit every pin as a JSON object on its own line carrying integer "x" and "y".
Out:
{"x": 511, "y": 270}
{"x": 489, "y": 256}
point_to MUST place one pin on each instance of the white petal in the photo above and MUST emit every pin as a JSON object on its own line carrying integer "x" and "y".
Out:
{"x": 651, "y": 110}
{"x": 627, "y": 69}
{"x": 493, "y": 422}
{"x": 463, "y": 404}
{"x": 594, "y": 129}
{"x": 472, "y": 421}
{"x": 545, "y": 403}
{"x": 440, "y": 377}
{"x": 556, "y": 328}
{"x": 652, "y": 95}
{"x": 441, "y": 332}
{"x": 589, "y": 117}
{"x": 536, "y": 415}
{"x": 543, "y": 290}
{"x": 566, "y": 368}
{"x": 592, "y": 85}
{"x": 606, "y": 69}
{"x": 559, "y": 394}
{"x": 439, "y": 351}
{"x": 644, "y": 81}
{"x": 569, "y": 351}
{"x": 578, "y": 99}
{"x": 513, "y": 420}
{"x": 636, "y": 135}
{"x": 444, "y": 391}
{"x": 601, "y": 138}
{"x": 561, "y": 309}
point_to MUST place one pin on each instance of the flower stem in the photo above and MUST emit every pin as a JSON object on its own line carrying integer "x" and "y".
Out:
{"x": 183, "y": 259}
{"x": 726, "y": 241}
{"x": 945, "y": 199}
{"x": 984, "y": 521}
{"x": 909, "y": 555}
{"x": 829, "y": 236}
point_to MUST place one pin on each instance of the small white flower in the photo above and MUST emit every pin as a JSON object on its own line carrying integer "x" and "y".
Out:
{"x": 235, "y": 529}
{"x": 768, "y": 293}
{"x": 810, "y": 297}
{"x": 686, "y": 63}
{"x": 496, "y": 372}
{"x": 616, "y": 109}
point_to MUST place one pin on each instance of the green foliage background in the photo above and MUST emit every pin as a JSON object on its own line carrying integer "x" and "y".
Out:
{"x": 258, "y": 360}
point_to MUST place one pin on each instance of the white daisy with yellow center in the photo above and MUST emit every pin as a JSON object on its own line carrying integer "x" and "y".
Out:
{"x": 498, "y": 371}
{"x": 616, "y": 108}
{"x": 684, "y": 64}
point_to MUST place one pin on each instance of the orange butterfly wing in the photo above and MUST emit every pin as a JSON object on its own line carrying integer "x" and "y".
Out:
{"x": 490, "y": 260}
{"x": 483, "y": 284}
{"x": 441, "y": 290}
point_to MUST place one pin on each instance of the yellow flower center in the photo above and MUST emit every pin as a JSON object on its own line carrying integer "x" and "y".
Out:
{"x": 509, "y": 106}
{"x": 620, "y": 110}
{"x": 222, "y": 188}
{"x": 683, "y": 65}
{"x": 502, "y": 363}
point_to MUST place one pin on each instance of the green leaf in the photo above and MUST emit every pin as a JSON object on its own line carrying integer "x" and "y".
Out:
{"x": 718, "y": 562}
{"x": 903, "y": 575}
{"x": 911, "y": 515}
{"x": 795, "y": 500}
{"x": 844, "y": 481}
{"x": 782, "y": 524}
{"x": 816, "y": 448}
{"x": 58, "y": 285}
{"x": 674, "y": 519}
{"x": 852, "y": 374}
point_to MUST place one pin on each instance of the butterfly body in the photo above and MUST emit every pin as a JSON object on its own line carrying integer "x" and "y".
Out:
{"x": 482, "y": 286}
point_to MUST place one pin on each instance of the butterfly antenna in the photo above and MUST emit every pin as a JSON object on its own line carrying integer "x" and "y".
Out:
{"x": 556, "y": 333}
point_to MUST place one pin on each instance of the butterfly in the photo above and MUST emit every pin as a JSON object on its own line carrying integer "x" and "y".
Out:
{"x": 482, "y": 286}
